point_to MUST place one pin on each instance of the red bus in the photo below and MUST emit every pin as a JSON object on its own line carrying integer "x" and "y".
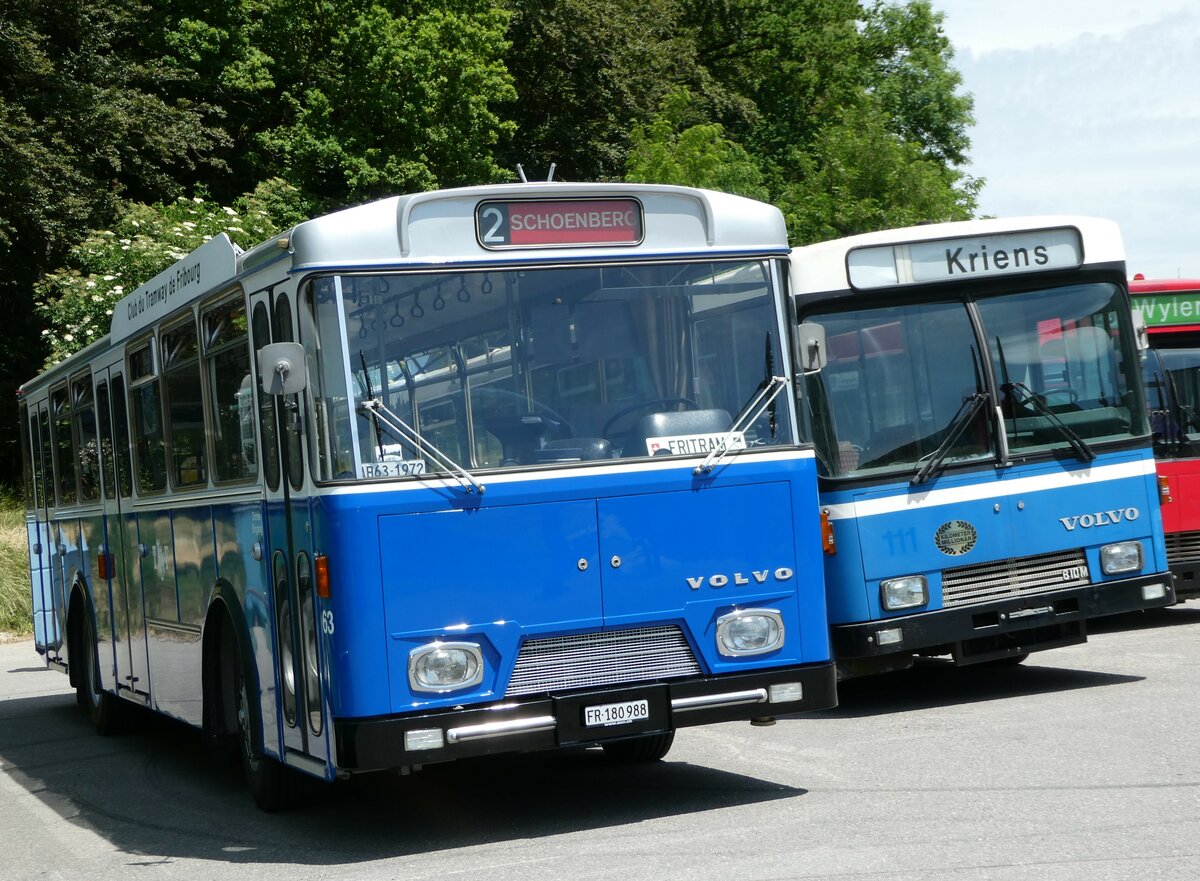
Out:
{"x": 1171, "y": 311}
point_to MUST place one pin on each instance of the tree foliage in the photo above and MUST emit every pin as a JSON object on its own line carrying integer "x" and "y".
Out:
{"x": 697, "y": 155}
{"x": 76, "y": 301}
{"x": 352, "y": 99}
{"x": 847, "y": 115}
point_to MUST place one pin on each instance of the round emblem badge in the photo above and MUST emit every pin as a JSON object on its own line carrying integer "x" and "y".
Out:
{"x": 955, "y": 537}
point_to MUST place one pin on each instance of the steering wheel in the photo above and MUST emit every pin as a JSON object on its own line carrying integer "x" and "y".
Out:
{"x": 644, "y": 405}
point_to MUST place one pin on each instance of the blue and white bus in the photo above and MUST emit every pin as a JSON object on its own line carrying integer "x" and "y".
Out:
{"x": 448, "y": 474}
{"x": 987, "y": 480}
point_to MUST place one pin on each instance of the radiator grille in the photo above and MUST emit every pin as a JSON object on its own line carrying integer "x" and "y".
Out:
{"x": 606, "y": 658}
{"x": 1183, "y": 547}
{"x": 1016, "y": 576}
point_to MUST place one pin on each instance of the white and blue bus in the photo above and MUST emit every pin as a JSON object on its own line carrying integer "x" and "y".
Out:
{"x": 494, "y": 469}
{"x": 987, "y": 480}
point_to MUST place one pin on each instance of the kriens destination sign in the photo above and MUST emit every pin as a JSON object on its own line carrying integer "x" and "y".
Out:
{"x": 208, "y": 266}
{"x": 968, "y": 257}
{"x": 560, "y": 222}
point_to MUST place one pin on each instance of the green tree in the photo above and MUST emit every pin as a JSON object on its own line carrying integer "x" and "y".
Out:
{"x": 352, "y": 99}
{"x": 859, "y": 176}
{"x": 76, "y": 301}
{"x": 699, "y": 155}
{"x": 82, "y": 124}
{"x": 586, "y": 72}
{"x": 855, "y": 120}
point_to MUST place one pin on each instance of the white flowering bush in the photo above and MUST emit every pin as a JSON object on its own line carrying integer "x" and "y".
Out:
{"x": 75, "y": 302}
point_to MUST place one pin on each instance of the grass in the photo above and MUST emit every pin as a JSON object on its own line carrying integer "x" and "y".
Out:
{"x": 16, "y": 612}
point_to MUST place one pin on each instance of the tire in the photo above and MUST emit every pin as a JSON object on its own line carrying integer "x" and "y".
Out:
{"x": 647, "y": 748}
{"x": 274, "y": 786}
{"x": 104, "y": 709}
{"x": 1013, "y": 661}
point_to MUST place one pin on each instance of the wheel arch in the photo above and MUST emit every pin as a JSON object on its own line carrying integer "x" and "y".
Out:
{"x": 226, "y": 641}
{"x": 79, "y": 615}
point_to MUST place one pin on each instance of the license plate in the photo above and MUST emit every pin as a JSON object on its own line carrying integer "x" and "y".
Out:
{"x": 621, "y": 713}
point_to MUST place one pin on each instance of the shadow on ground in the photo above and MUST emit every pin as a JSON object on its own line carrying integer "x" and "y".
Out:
{"x": 156, "y": 795}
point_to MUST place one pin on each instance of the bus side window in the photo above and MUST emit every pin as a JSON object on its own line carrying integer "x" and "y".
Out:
{"x": 231, "y": 392}
{"x": 146, "y": 407}
{"x": 121, "y": 437}
{"x": 28, "y": 475}
{"x": 284, "y": 333}
{"x": 267, "y": 428}
{"x": 185, "y": 405}
{"x": 103, "y": 413}
{"x": 87, "y": 450}
{"x": 64, "y": 455}
{"x": 45, "y": 459}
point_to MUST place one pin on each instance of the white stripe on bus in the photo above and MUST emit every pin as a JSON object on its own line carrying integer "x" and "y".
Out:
{"x": 932, "y": 498}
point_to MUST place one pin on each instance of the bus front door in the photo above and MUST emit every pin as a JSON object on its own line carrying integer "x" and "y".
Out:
{"x": 303, "y": 707}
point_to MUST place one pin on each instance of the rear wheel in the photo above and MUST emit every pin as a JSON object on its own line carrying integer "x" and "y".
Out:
{"x": 648, "y": 748}
{"x": 104, "y": 709}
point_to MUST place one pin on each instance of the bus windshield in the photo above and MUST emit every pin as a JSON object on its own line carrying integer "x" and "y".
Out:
{"x": 903, "y": 380}
{"x": 1173, "y": 397}
{"x": 538, "y": 366}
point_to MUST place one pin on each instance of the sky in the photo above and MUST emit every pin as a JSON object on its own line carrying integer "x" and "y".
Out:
{"x": 1088, "y": 107}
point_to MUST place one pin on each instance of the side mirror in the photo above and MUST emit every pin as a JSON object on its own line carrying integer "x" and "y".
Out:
{"x": 1140, "y": 334}
{"x": 810, "y": 339}
{"x": 281, "y": 368}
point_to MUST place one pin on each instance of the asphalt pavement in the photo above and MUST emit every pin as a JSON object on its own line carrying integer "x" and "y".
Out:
{"x": 1083, "y": 763}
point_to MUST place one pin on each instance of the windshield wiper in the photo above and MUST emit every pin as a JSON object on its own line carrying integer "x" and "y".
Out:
{"x": 762, "y": 400}
{"x": 967, "y": 411}
{"x": 1027, "y": 396}
{"x": 405, "y": 432}
{"x": 380, "y": 415}
{"x": 768, "y": 390}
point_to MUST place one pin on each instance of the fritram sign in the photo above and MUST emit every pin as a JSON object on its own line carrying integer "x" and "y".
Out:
{"x": 964, "y": 258}
{"x": 210, "y": 265}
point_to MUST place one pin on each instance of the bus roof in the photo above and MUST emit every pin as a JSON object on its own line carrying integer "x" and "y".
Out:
{"x": 1163, "y": 285}
{"x": 955, "y": 252}
{"x": 441, "y": 228}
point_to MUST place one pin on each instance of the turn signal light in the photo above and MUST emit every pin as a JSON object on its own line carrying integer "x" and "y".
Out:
{"x": 1164, "y": 489}
{"x": 321, "y": 567}
{"x": 828, "y": 540}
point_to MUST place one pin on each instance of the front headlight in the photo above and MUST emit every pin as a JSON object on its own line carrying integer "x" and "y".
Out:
{"x": 749, "y": 632}
{"x": 1123, "y": 556}
{"x": 445, "y": 666}
{"x": 904, "y": 593}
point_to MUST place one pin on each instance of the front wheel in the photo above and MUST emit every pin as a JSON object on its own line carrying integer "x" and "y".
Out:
{"x": 274, "y": 786}
{"x": 648, "y": 748}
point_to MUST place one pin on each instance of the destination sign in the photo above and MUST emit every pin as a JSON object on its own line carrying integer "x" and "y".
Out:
{"x": 965, "y": 258}
{"x": 559, "y": 222}
{"x": 1165, "y": 309}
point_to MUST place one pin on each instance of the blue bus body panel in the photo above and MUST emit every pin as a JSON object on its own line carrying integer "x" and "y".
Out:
{"x": 1024, "y": 510}
{"x": 507, "y": 567}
